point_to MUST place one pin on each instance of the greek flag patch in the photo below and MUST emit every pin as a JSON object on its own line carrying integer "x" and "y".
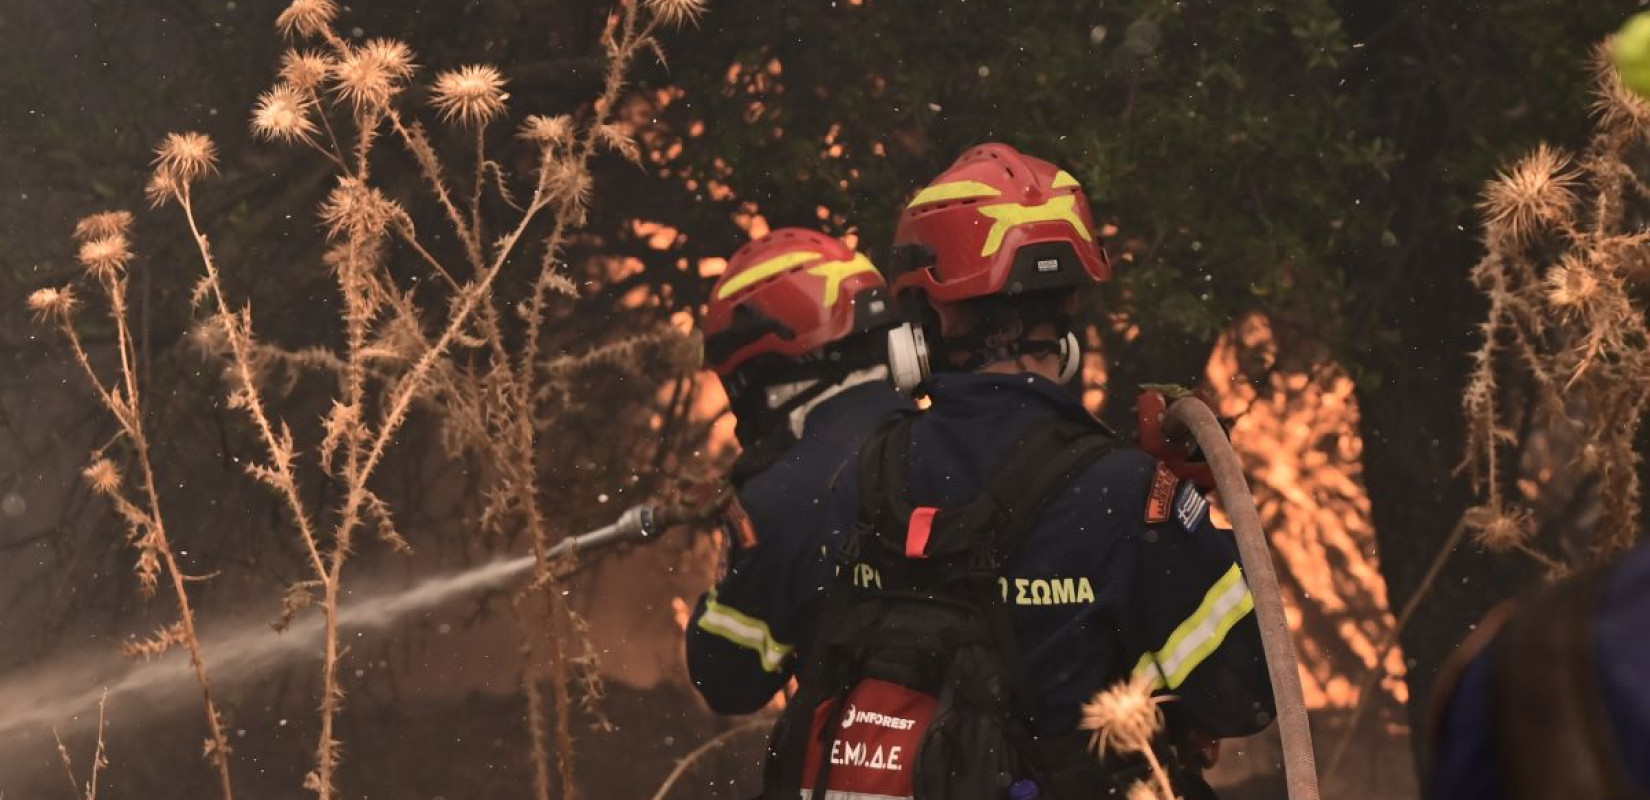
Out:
{"x": 1191, "y": 508}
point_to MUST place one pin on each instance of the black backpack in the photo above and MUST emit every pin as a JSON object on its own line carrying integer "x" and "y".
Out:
{"x": 913, "y": 686}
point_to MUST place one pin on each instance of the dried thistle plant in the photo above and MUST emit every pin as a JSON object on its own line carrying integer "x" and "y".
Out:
{"x": 676, "y": 13}
{"x": 282, "y": 115}
{"x": 53, "y": 304}
{"x": 99, "y": 758}
{"x": 1536, "y": 194}
{"x": 471, "y": 96}
{"x": 1125, "y": 718}
{"x": 307, "y": 18}
{"x": 493, "y": 394}
{"x": 1143, "y": 790}
{"x": 369, "y": 76}
{"x": 1558, "y": 390}
{"x": 104, "y": 254}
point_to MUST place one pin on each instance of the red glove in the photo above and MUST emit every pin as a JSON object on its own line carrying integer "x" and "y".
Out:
{"x": 1176, "y": 449}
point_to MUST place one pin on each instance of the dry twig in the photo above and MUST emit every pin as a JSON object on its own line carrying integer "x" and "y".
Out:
{"x": 99, "y": 760}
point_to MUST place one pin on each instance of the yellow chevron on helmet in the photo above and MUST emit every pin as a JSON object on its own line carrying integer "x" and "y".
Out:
{"x": 767, "y": 269}
{"x": 1007, "y": 216}
{"x": 835, "y": 272}
{"x": 956, "y": 190}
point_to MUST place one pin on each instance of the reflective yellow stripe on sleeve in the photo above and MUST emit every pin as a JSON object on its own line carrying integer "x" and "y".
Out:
{"x": 746, "y": 631}
{"x": 1201, "y": 634}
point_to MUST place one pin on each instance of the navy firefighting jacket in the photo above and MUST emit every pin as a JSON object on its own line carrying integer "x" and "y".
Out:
{"x": 1465, "y": 765}
{"x": 1124, "y": 573}
{"x": 742, "y": 638}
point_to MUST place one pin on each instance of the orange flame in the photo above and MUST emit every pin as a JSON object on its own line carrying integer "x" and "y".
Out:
{"x": 1298, "y": 434}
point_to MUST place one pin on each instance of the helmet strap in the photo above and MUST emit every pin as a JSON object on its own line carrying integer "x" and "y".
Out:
{"x": 1000, "y": 336}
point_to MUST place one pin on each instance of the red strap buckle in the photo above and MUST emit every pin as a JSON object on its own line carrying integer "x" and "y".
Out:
{"x": 916, "y": 534}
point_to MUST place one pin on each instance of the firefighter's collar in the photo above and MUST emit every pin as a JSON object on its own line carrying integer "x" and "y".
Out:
{"x": 852, "y": 400}
{"x": 965, "y": 394}
{"x": 802, "y": 415}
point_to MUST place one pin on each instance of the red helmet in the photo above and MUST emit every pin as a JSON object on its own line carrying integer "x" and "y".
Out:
{"x": 791, "y": 293}
{"x": 998, "y": 222}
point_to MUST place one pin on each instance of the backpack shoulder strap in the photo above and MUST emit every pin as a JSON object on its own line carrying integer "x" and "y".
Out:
{"x": 1553, "y": 736}
{"x": 884, "y": 478}
{"x": 1044, "y": 460}
{"x": 1051, "y": 454}
{"x": 1048, "y": 456}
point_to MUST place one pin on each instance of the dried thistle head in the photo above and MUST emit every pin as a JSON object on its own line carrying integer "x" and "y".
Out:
{"x": 282, "y": 115}
{"x": 548, "y": 131}
{"x": 1496, "y": 529}
{"x": 161, "y": 189}
{"x": 183, "y": 157}
{"x": 304, "y": 70}
{"x": 1124, "y": 717}
{"x": 1617, "y": 107}
{"x": 307, "y": 17}
{"x": 472, "y": 95}
{"x": 356, "y": 208}
{"x": 677, "y": 13}
{"x": 568, "y": 179}
{"x": 53, "y": 303}
{"x": 98, "y": 226}
{"x": 102, "y": 475}
{"x": 106, "y": 257}
{"x": 1573, "y": 284}
{"x": 1146, "y": 790}
{"x": 369, "y": 76}
{"x": 1536, "y": 193}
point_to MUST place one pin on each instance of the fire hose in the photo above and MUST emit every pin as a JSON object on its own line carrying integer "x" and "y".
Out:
{"x": 1293, "y": 727}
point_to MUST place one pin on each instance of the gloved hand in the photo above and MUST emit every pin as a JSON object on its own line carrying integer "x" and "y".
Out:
{"x": 1169, "y": 443}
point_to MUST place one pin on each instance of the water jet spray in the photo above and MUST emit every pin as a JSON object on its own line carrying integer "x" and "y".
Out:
{"x": 66, "y": 695}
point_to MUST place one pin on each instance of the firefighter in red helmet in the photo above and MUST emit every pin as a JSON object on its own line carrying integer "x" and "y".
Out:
{"x": 1001, "y": 556}
{"x": 997, "y": 244}
{"x": 798, "y": 330}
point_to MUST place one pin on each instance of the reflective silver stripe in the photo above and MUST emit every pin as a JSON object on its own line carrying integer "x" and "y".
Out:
{"x": 1227, "y": 602}
{"x": 833, "y": 794}
{"x": 745, "y": 631}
